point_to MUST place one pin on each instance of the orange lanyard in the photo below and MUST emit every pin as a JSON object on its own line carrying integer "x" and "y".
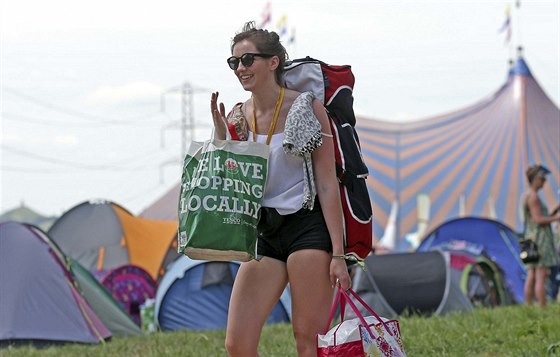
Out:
{"x": 274, "y": 118}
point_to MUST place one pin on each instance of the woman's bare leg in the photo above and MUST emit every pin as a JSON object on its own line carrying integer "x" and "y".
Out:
{"x": 540, "y": 285}
{"x": 312, "y": 295}
{"x": 256, "y": 290}
{"x": 530, "y": 286}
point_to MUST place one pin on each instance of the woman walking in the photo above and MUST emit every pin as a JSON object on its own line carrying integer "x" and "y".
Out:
{"x": 300, "y": 232}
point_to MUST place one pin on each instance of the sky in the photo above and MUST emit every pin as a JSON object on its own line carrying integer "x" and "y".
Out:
{"x": 90, "y": 92}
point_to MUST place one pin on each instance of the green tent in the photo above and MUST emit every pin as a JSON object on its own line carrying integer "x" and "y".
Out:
{"x": 105, "y": 306}
{"x": 25, "y": 214}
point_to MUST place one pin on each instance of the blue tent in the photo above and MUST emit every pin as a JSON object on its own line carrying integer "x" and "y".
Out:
{"x": 194, "y": 295}
{"x": 499, "y": 241}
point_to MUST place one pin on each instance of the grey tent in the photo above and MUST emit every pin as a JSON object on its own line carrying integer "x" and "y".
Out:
{"x": 102, "y": 235}
{"x": 497, "y": 240}
{"x": 420, "y": 283}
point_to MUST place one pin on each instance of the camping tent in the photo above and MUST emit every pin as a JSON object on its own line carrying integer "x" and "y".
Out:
{"x": 194, "y": 295}
{"x": 479, "y": 277}
{"x": 109, "y": 311}
{"x": 498, "y": 240}
{"x": 25, "y": 214}
{"x": 468, "y": 162}
{"x": 131, "y": 286}
{"x": 39, "y": 299}
{"x": 393, "y": 284}
{"x": 102, "y": 235}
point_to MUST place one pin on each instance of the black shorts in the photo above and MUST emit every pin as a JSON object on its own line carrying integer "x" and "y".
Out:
{"x": 279, "y": 236}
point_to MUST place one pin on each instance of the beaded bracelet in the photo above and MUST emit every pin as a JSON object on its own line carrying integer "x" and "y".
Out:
{"x": 351, "y": 258}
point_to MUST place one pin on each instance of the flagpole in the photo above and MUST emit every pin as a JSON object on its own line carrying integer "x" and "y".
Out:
{"x": 518, "y": 30}
{"x": 292, "y": 42}
{"x": 512, "y": 37}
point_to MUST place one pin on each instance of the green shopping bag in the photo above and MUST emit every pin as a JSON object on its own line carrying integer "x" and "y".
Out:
{"x": 219, "y": 205}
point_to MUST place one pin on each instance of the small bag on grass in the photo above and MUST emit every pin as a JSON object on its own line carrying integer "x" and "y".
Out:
{"x": 220, "y": 199}
{"x": 362, "y": 336}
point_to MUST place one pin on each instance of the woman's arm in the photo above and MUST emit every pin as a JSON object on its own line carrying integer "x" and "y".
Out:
{"x": 535, "y": 208}
{"x": 329, "y": 196}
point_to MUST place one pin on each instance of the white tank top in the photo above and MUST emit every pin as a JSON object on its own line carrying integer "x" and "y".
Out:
{"x": 284, "y": 183}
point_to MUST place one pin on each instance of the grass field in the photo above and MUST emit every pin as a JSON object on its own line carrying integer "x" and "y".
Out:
{"x": 506, "y": 331}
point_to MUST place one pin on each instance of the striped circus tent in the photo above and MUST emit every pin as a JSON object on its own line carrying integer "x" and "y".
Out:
{"x": 470, "y": 162}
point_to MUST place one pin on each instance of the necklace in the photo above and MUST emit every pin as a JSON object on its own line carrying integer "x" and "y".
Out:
{"x": 274, "y": 118}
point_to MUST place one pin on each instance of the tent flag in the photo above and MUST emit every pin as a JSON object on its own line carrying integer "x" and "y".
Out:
{"x": 282, "y": 26}
{"x": 506, "y": 26}
{"x": 266, "y": 16}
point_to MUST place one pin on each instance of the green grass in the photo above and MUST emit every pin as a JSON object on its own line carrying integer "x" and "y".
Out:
{"x": 505, "y": 331}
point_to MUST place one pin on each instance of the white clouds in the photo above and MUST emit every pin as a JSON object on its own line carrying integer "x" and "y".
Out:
{"x": 34, "y": 140}
{"x": 65, "y": 140}
{"x": 21, "y": 17}
{"x": 133, "y": 92}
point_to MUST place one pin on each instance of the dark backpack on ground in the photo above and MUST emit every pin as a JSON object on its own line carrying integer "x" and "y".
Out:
{"x": 333, "y": 85}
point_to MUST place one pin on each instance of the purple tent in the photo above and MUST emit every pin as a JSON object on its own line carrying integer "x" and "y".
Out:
{"x": 131, "y": 286}
{"x": 39, "y": 300}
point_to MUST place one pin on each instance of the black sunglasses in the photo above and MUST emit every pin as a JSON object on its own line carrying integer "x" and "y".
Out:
{"x": 246, "y": 59}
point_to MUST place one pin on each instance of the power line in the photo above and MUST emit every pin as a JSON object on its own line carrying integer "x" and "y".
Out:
{"x": 50, "y": 122}
{"x": 99, "y": 120}
{"x": 114, "y": 166}
{"x": 187, "y": 122}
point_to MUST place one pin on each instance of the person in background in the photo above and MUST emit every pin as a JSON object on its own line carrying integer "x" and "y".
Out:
{"x": 538, "y": 228}
{"x": 300, "y": 232}
{"x": 555, "y": 270}
{"x": 558, "y": 266}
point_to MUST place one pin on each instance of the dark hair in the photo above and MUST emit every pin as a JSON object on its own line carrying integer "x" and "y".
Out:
{"x": 535, "y": 170}
{"x": 266, "y": 42}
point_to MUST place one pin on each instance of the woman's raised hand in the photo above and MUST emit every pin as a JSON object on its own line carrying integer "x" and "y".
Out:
{"x": 219, "y": 117}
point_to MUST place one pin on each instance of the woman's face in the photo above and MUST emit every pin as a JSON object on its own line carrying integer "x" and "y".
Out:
{"x": 253, "y": 74}
{"x": 541, "y": 180}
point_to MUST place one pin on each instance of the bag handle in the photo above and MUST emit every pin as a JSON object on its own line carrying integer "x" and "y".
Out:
{"x": 333, "y": 310}
{"x": 343, "y": 297}
{"x": 361, "y": 301}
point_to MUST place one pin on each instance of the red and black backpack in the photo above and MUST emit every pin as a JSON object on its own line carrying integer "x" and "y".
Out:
{"x": 333, "y": 85}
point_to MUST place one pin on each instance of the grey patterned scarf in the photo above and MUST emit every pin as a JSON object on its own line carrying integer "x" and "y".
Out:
{"x": 302, "y": 135}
